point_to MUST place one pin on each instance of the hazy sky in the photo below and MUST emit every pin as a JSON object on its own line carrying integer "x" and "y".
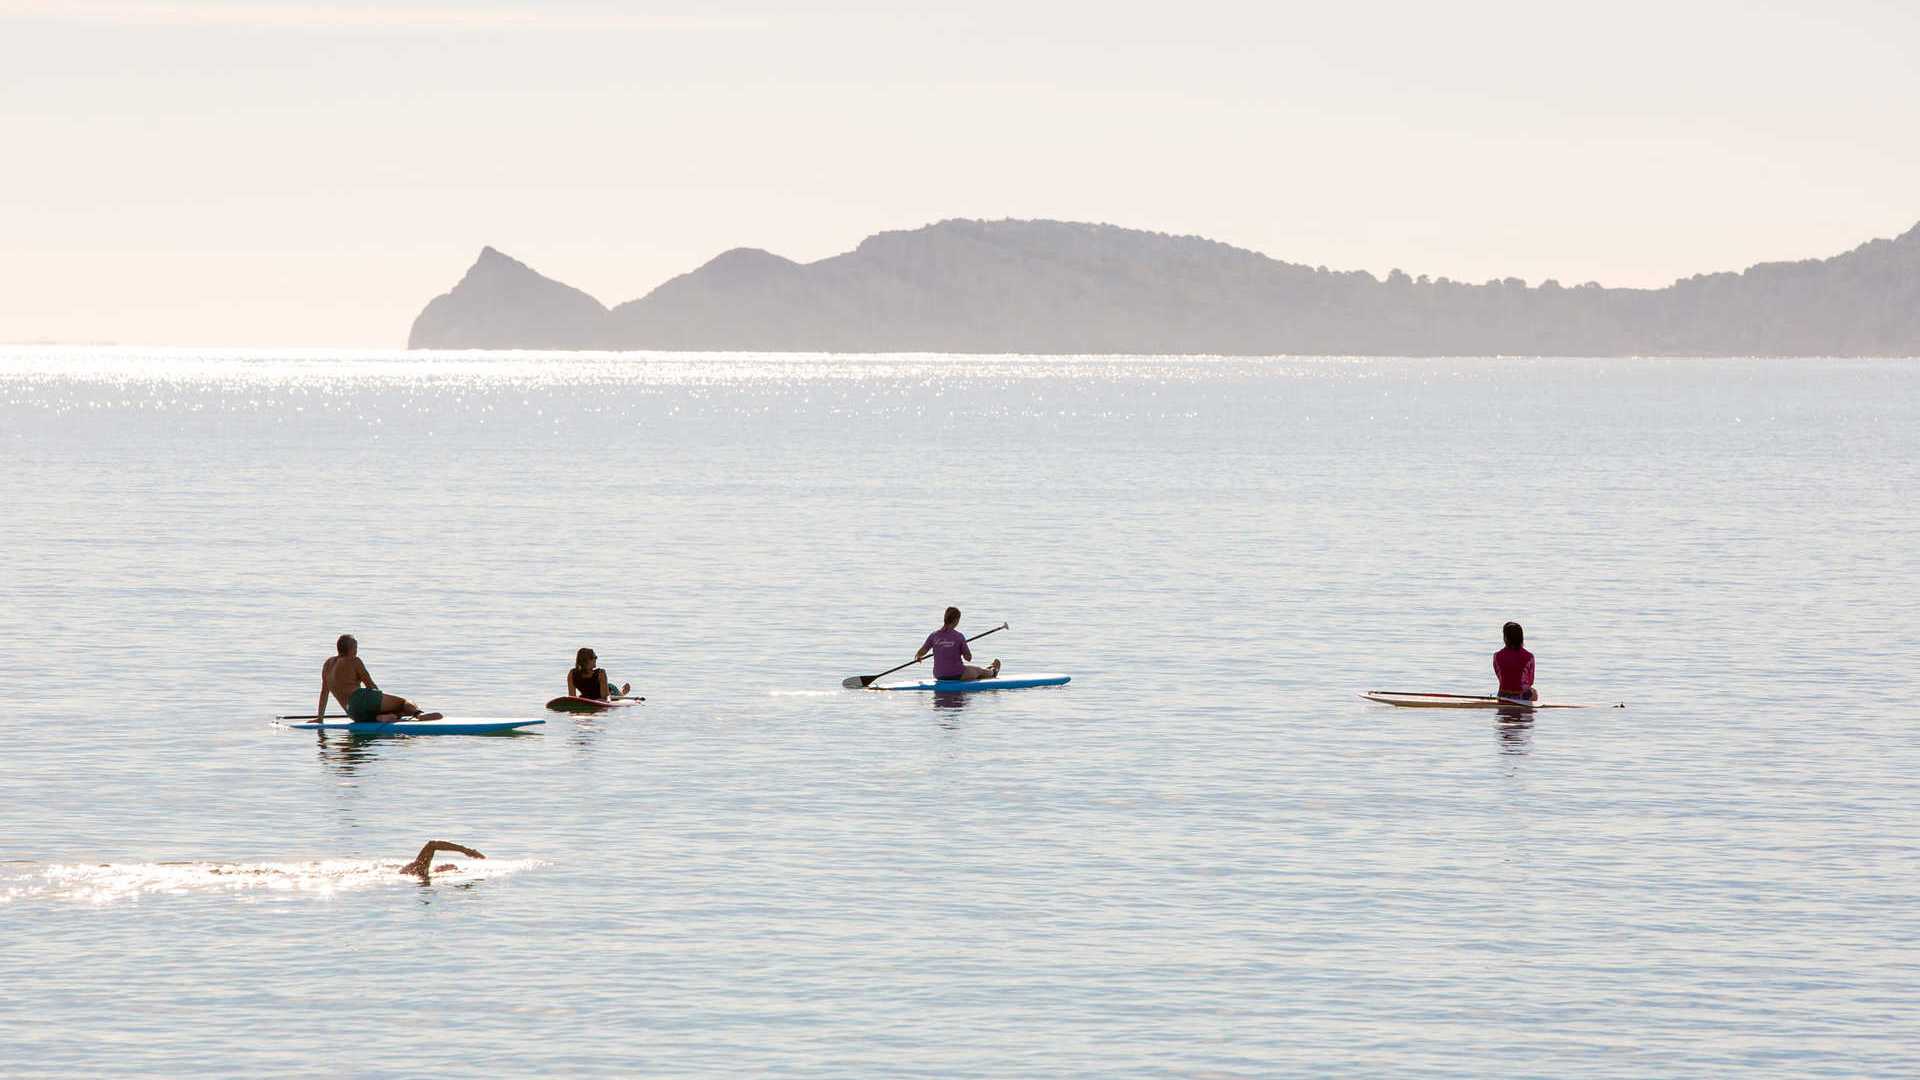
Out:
{"x": 217, "y": 172}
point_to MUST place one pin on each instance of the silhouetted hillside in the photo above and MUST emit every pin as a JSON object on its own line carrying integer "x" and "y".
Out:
{"x": 503, "y": 304}
{"x": 1062, "y": 287}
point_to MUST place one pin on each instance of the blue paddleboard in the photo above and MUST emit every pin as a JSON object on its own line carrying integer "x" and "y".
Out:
{"x": 964, "y": 686}
{"x": 421, "y": 727}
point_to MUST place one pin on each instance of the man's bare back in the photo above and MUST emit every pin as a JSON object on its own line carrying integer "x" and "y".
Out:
{"x": 342, "y": 675}
{"x": 345, "y": 678}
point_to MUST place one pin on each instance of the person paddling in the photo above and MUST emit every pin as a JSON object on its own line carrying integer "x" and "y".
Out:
{"x": 950, "y": 652}
{"x": 589, "y": 680}
{"x": 346, "y": 679}
{"x": 1513, "y": 665}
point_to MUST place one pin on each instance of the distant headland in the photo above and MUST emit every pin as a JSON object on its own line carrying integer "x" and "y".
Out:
{"x": 1064, "y": 287}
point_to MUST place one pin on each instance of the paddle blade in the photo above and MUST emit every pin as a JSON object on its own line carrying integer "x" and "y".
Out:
{"x": 858, "y": 682}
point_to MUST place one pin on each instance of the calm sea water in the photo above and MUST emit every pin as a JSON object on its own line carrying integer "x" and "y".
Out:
{"x": 1206, "y": 856}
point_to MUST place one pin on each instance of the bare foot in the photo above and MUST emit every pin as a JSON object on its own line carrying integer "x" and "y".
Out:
{"x": 427, "y": 716}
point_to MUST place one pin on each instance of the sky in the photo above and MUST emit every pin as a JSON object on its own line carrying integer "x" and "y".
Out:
{"x": 205, "y": 172}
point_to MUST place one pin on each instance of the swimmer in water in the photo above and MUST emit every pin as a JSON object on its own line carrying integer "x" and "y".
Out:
{"x": 422, "y": 864}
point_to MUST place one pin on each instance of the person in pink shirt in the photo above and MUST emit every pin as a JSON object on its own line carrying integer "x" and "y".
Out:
{"x": 1514, "y": 666}
{"x": 950, "y": 653}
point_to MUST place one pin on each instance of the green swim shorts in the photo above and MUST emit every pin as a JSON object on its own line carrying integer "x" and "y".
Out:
{"x": 363, "y": 707}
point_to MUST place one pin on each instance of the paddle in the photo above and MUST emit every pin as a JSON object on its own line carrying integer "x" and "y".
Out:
{"x": 1484, "y": 697}
{"x": 338, "y": 716}
{"x": 1462, "y": 697}
{"x": 860, "y": 682}
{"x": 343, "y": 718}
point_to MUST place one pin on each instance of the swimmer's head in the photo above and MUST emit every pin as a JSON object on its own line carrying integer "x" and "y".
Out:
{"x": 347, "y": 645}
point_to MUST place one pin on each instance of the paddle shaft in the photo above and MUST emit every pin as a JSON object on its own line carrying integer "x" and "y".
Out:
{"x": 869, "y": 680}
{"x": 344, "y": 717}
{"x": 311, "y": 716}
{"x": 1462, "y": 697}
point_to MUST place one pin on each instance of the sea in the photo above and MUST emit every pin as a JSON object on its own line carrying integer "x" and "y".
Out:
{"x": 1206, "y": 856}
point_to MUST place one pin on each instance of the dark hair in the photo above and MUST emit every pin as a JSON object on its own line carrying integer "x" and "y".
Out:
{"x": 1513, "y": 634}
{"x": 346, "y": 644}
{"x": 584, "y": 659}
{"x": 953, "y": 616}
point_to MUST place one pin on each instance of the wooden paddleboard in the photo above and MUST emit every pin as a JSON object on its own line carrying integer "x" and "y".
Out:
{"x": 1435, "y": 701}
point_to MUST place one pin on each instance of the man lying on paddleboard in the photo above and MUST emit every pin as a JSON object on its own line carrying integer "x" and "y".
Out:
{"x": 346, "y": 678}
{"x": 1513, "y": 666}
{"x": 950, "y": 652}
{"x": 589, "y": 680}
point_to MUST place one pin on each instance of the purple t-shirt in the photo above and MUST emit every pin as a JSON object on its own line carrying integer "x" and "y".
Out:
{"x": 950, "y": 653}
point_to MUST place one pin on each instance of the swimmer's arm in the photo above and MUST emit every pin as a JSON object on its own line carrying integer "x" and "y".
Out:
{"x": 365, "y": 676}
{"x": 422, "y": 863}
{"x": 320, "y": 710}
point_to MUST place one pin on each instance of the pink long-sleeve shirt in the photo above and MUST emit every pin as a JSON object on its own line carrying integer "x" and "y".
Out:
{"x": 1515, "y": 670}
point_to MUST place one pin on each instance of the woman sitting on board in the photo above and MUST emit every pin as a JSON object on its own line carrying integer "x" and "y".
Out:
{"x": 588, "y": 681}
{"x": 1514, "y": 666}
{"x": 950, "y": 653}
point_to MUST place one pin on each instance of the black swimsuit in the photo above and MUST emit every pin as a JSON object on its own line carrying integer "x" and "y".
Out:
{"x": 592, "y": 680}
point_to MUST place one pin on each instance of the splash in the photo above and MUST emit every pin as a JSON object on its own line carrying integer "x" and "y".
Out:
{"x": 118, "y": 883}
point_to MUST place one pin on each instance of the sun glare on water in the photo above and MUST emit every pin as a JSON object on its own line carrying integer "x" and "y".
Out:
{"x": 111, "y": 883}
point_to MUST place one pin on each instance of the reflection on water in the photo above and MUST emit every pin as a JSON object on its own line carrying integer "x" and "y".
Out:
{"x": 345, "y": 752}
{"x": 1516, "y": 730}
{"x": 587, "y": 730}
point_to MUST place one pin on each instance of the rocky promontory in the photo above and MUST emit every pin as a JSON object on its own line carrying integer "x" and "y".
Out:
{"x": 1066, "y": 287}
